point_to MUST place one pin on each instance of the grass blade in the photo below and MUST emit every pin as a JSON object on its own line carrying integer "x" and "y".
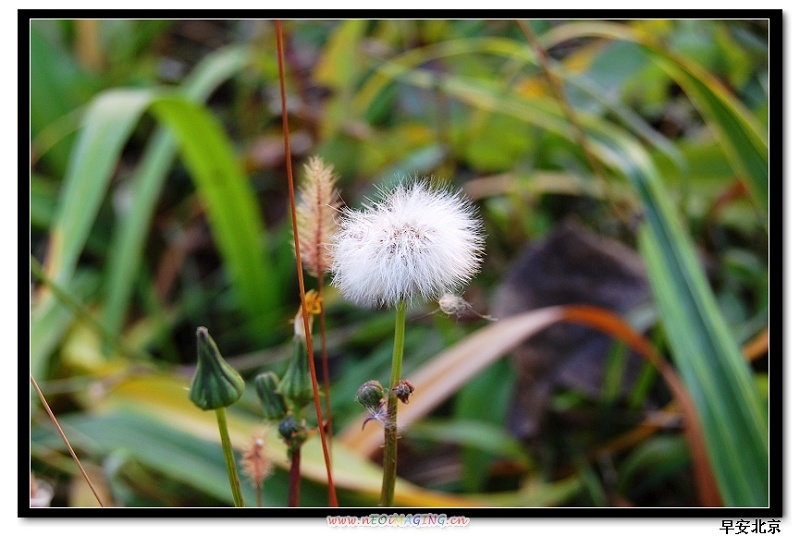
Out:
{"x": 233, "y": 211}
{"x": 128, "y": 242}
{"x": 108, "y": 123}
{"x": 717, "y": 376}
{"x": 232, "y": 208}
{"x": 106, "y": 127}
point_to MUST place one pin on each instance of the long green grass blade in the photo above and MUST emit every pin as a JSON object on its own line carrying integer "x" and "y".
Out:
{"x": 108, "y": 123}
{"x": 184, "y": 458}
{"x": 221, "y": 183}
{"x": 127, "y": 245}
{"x": 107, "y": 126}
{"x": 716, "y": 374}
{"x": 231, "y": 206}
{"x": 742, "y": 141}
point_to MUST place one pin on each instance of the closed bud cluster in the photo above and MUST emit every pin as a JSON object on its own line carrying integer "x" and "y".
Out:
{"x": 371, "y": 396}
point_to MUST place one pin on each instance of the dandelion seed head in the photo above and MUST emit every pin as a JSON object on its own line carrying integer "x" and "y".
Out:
{"x": 417, "y": 241}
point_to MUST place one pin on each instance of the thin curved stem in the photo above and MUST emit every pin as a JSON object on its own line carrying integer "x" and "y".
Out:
{"x": 582, "y": 141}
{"x": 66, "y": 441}
{"x": 332, "y": 501}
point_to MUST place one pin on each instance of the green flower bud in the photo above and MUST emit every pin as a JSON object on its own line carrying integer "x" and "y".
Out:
{"x": 370, "y": 394}
{"x": 296, "y": 384}
{"x": 292, "y": 432}
{"x": 271, "y": 400}
{"x": 215, "y": 384}
{"x": 288, "y": 428}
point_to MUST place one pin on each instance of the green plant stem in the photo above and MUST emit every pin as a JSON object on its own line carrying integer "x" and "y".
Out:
{"x": 326, "y": 379}
{"x": 390, "y": 430}
{"x": 230, "y": 461}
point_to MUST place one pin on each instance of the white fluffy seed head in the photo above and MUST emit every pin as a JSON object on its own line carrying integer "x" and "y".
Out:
{"x": 418, "y": 241}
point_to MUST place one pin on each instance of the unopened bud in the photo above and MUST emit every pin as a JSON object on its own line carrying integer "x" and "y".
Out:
{"x": 370, "y": 394}
{"x": 272, "y": 401}
{"x": 292, "y": 432}
{"x": 296, "y": 384}
{"x": 215, "y": 383}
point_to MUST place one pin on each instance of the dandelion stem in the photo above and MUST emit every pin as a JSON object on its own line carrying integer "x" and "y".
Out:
{"x": 390, "y": 434}
{"x": 230, "y": 462}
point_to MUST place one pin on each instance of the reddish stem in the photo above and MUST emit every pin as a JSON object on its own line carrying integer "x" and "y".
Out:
{"x": 294, "y": 479}
{"x": 309, "y": 344}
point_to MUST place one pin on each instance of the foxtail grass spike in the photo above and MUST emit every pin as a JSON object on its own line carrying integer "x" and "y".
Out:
{"x": 317, "y": 215}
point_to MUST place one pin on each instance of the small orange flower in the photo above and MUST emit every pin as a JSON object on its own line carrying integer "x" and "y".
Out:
{"x": 313, "y": 306}
{"x": 313, "y": 302}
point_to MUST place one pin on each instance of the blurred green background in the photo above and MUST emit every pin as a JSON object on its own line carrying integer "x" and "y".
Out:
{"x": 159, "y": 204}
